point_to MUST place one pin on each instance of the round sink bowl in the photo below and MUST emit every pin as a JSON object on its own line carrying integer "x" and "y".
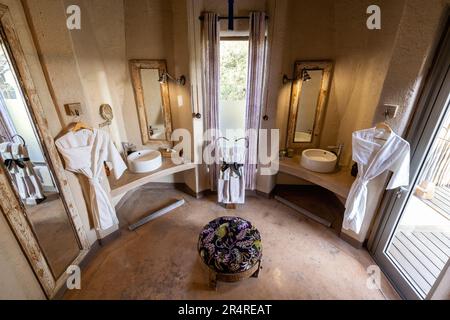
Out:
{"x": 144, "y": 161}
{"x": 318, "y": 160}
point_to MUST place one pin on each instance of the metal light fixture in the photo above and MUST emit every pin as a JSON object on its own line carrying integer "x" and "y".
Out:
{"x": 286, "y": 79}
{"x": 305, "y": 75}
{"x": 166, "y": 76}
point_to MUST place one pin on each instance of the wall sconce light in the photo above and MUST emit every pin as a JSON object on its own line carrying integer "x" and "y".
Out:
{"x": 304, "y": 76}
{"x": 166, "y": 76}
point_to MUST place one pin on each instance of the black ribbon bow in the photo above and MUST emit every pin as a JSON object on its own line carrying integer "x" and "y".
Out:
{"x": 19, "y": 162}
{"x": 234, "y": 167}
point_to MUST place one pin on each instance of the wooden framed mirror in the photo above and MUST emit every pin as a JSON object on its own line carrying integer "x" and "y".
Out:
{"x": 35, "y": 196}
{"x": 309, "y": 97}
{"x": 151, "y": 92}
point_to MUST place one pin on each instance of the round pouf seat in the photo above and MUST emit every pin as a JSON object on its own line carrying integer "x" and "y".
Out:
{"x": 231, "y": 248}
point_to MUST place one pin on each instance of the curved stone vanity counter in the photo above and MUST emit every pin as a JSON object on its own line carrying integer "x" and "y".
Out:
{"x": 130, "y": 180}
{"x": 338, "y": 182}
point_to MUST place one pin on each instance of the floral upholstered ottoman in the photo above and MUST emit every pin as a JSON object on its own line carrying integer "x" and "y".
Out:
{"x": 231, "y": 248}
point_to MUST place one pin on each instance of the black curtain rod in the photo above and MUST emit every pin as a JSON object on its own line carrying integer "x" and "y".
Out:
{"x": 236, "y": 17}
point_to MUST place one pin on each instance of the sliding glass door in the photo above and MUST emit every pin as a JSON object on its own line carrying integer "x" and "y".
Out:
{"x": 412, "y": 245}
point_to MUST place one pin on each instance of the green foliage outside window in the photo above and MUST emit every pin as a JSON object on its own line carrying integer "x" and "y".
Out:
{"x": 233, "y": 70}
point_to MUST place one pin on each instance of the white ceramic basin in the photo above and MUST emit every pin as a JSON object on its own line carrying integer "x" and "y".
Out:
{"x": 144, "y": 161}
{"x": 318, "y": 160}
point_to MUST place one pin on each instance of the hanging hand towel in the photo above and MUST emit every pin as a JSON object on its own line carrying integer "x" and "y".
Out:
{"x": 373, "y": 159}
{"x": 16, "y": 160}
{"x": 231, "y": 183}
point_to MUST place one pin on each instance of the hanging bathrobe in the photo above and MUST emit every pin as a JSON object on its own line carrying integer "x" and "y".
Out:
{"x": 231, "y": 182}
{"x": 374, "y": 157}
{"x": 17, "y": 162}
{"x": 85, "y": 152}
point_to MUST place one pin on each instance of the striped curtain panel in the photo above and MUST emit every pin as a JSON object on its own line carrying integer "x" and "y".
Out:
{"x": 211, "y": 59}
{"x": 255, "y": 96}
{"x": 437, "y": 167}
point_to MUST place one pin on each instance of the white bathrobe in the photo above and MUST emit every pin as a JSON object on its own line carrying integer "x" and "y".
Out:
{"x": 374, "y": 157}
{"x": 85, "y": 152}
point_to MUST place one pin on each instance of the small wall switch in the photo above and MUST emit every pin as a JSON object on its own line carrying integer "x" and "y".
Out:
{"x": 180, "y": 100}
{"x": 391, "y": 110}
{"x": 73, "y": 109}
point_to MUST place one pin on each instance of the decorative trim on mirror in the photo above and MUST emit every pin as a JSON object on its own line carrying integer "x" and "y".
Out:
{"x": 136, "y": 80}
{"x": 10, "y": 205}
{"x": 299, "y": 77}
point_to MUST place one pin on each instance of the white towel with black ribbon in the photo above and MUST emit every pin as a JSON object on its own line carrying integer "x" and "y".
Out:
{"x": 231, "y": 183}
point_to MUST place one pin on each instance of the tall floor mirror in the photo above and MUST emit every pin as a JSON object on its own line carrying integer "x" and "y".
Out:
{"x": 31, "y": 189}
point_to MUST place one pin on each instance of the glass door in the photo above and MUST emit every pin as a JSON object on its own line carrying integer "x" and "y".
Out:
{"x": 412, "y": 245}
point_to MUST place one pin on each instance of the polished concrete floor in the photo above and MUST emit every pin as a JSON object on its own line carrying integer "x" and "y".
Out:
{"x": 301, "y": 258}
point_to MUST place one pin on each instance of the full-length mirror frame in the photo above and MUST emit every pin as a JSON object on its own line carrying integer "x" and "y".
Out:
{"x": 144, "y": 114}
{"x": 11, "y": 206}
{"x": 304, "y": 74}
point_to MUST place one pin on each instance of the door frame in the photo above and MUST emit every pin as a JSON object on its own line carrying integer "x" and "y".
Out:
{"x": 11, "y": 206}
{"x": 420, "y": 136}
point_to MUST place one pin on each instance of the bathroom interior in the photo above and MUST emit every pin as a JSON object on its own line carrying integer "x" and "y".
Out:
{"x": 109, "y": 109}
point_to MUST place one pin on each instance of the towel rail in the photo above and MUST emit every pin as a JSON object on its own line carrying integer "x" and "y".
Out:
{"x": 21, "y": 138}
{"x": 235, "y": 140}
{"x": 4, "y": 138}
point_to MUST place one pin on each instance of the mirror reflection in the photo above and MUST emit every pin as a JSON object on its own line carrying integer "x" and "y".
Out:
{"x": 22, "y": 156}
{"x": 151, "y": 92}
{"x": 307, "y": 104}
{"x": 151, "y": 88}
{"x": 309, "y": 96}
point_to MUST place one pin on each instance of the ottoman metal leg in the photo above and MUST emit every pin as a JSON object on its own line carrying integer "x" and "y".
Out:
{"x": 256, "y": 274}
